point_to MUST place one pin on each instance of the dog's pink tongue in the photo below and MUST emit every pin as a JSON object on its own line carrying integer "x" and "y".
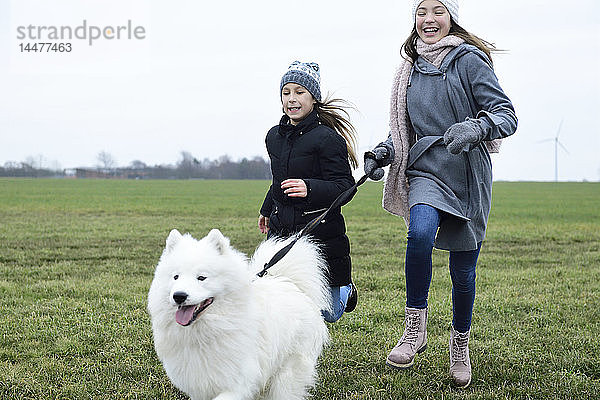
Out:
{"x": 184, "y": 315}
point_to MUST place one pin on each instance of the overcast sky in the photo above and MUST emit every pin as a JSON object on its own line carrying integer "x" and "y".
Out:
{"x": 205, "y": 77}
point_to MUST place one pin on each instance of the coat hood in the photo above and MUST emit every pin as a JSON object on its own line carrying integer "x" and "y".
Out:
{"x": 425, "y": 67}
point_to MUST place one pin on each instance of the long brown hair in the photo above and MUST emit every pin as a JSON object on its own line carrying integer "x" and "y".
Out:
{"x": 333, "y": 113}
{"x": 409, "y": 48}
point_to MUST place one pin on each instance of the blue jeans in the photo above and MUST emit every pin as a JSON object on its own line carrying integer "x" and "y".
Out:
{"x": 339, "y": 298}
{"x": 424, "y": 223}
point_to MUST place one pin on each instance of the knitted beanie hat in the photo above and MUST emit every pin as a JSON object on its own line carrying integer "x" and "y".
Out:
{"x": 451, "y": 6}
{"x": 304, "y": 74}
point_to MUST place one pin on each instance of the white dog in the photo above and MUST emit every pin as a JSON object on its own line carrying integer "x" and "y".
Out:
{"x": 223, "y": 333}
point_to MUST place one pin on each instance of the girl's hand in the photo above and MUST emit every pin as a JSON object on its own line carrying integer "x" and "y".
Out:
{"x": 294, "y": 188}
{"x": 263, "y": 224}
{"x": 463, "y": 136}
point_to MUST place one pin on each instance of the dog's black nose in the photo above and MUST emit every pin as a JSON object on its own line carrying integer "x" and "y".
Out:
{"x": 179, "y": 297}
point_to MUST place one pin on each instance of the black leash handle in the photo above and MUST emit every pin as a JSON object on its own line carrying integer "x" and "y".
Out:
{"x": 311, "y": 226}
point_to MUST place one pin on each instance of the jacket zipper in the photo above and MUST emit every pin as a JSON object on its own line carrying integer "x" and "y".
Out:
{"x": 305, "y": 213}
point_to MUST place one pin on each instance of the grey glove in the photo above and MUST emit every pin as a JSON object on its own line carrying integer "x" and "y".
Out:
{"x": 374, "y": 161}
{"x": 463, "y": 136}
{"x": 383, "y": 153}
{"x": 372, "y": 170}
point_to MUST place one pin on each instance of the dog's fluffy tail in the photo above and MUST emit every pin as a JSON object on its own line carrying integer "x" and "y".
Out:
{"x": 304, "y": 265}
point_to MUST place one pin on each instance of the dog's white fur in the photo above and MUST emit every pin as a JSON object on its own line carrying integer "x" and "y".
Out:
{"x": 260, "y": 337}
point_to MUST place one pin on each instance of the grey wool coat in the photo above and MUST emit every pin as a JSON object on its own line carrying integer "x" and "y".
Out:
{"x": 463, "y": 87}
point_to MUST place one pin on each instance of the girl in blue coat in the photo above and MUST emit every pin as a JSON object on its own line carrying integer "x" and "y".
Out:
{"x": 311, "y": 150}
{"x": 448, "y": 112}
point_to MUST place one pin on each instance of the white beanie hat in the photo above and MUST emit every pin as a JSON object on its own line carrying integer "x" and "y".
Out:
{"x": 451, "y": 6}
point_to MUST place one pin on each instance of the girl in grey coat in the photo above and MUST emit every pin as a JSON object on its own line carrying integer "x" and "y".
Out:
{"x": 448, "y": 112}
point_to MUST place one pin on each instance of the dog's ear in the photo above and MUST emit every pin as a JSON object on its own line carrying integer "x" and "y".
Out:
{"x": 218, "y": 240}
{"x": 172, "y": 239}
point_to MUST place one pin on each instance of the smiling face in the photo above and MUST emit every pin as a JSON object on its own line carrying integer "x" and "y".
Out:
{"x": 432, "y": 21}
{"x": 297, "y": 102}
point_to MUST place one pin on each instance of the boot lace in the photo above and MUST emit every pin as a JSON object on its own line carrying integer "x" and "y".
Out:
{"x": 411, "y": 331}
{"x": 460, "y": 344}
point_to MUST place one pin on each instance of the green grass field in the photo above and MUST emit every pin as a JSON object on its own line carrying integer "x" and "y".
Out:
{"x": 77, "y": 258}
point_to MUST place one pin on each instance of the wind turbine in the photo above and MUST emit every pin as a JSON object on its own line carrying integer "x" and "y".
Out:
{"x": 556, "y": 144}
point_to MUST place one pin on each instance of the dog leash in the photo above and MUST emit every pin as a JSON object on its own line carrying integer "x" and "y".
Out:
{"x": 311, "y": 226}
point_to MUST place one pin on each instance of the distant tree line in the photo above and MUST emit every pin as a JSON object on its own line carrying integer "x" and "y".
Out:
{"x": 223, "y": 168}
{"x": 23, "y": 169}
{"x": 188, "y": 167}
